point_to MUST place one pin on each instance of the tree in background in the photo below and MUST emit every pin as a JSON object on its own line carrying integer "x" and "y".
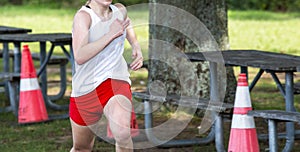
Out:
{"x": 16, "y": 2}
{"x": 213, "y": 15}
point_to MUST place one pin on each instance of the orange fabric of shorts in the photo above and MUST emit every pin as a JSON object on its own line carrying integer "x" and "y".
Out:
{"x": 88, "y": 109}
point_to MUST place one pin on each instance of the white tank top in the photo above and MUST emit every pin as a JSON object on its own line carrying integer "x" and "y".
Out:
{"x": 109, "y": 63}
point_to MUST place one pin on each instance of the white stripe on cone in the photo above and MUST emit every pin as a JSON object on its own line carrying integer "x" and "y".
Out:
{"x": 242, "y": 122}
{"x": 29, "y": 84}
{"x": 242, "y": 97}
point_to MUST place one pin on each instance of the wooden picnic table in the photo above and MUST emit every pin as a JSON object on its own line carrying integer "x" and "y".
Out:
{"x": 5, "y": 56}
{"x": 9, "y": 30}
{"x": 13, "y": 30}
{"x": 266, "y": 62}
{"x": 277, "y": 62}
{"x": 56, "y": 39}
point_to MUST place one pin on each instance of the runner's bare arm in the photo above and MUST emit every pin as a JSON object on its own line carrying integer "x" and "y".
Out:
{"x": 132, "y": 39}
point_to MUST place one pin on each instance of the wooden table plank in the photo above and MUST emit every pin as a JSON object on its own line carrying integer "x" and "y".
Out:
{"x": 13, "y": 30}
{"x": 250, "y": 58}
{"x": 276, "y": 114}
{"x": 41, "y": 37}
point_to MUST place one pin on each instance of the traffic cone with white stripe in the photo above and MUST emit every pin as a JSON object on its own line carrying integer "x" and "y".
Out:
{"x": 243, "y": 136}
{"x": 32, "y": 108}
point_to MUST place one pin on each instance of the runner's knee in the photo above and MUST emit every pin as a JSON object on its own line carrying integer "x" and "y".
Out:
{"x": 122, "y": 135}
{"x": 118, "y": 112}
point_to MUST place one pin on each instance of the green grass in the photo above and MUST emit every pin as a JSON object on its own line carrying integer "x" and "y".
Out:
{"x": 268, "y": 31}
{"x": 275, "y": 32}
{"x": 35, "y": 138}
{"x": 40, "y": 20}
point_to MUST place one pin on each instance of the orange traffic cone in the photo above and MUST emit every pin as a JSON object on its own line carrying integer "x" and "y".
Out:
{"x": 243, "y": 137}
{"x": 133, "y": 127}
{"x": 31, "y": 105}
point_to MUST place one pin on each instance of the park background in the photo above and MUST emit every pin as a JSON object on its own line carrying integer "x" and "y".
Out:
{"x": 269, "y": 25}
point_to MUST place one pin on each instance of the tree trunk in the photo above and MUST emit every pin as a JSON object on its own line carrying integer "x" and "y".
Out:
{"x": 178, "y": 26}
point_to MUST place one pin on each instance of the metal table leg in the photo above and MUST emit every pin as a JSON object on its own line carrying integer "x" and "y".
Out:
{"x": 289, "y": 106}
{"x": 63, "y": 75}
{"x": 67, "y": 54}
{"x": 254, "y": 81}
{"x": 43, "y": 76}
{"x": 244, "y": 69}
{"x": 42, "y": 73}
{"x": 17, "y": 57}
{"x": 219, "y": 136}
{"x": 14, "y": 96}
{"x": 278, "y": 83}
{"x": 6, "y": 64}
{"x": 5, "y": 57}
{"x": 273, "y": 145}
{"x": 215, "y": 95}
{"x": 63, "y": 83}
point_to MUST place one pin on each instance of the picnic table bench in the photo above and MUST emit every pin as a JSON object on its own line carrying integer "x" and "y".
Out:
{"x": 216, "y": 132}
{"x": 54, "y": 60}
{"x": 211, "y": 105}
{"x": 274, "y": 116}
{"x": 185, "y": 101}
{"x": 13, "y": 80}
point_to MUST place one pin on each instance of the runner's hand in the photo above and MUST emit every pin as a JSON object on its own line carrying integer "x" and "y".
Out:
{"x": 118, "y": 27}
{"x": 138, "y": 58}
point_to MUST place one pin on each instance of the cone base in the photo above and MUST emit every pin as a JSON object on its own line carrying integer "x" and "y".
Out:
{"x": 32, "y": 108}
{"x": 244, "y": 140}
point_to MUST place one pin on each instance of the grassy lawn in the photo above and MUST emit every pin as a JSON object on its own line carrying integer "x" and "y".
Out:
{"x": 276, "y": 32}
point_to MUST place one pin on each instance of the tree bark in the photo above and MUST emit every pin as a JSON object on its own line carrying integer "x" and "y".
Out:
{"x": 166, "y": 37}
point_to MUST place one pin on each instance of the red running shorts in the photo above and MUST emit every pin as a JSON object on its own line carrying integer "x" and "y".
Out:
{"x": 88, "y": 109}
